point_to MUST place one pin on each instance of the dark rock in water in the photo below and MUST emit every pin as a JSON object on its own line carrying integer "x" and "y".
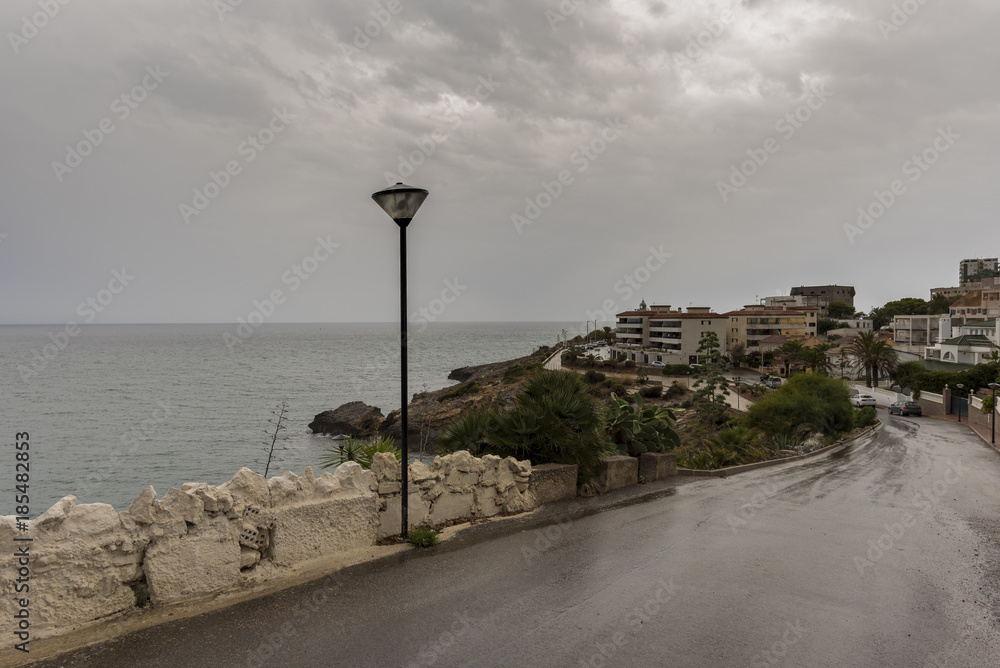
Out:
{"x": 417, "y": 428}
{"x": 462, "y": 374}
{"x": 355, "y": 418}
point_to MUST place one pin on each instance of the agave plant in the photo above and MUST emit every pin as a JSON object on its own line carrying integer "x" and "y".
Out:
{"x": 360, "y": 451}
{"x": 637, "y": 428}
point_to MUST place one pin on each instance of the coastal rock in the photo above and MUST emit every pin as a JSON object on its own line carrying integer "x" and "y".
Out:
{"x": 355, "y": 418}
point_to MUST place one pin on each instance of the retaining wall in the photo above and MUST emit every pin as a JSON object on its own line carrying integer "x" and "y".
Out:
{"x": 86, "y": 561}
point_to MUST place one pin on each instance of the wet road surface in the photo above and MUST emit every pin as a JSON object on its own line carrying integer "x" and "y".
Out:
{"x": 886, "y": 553}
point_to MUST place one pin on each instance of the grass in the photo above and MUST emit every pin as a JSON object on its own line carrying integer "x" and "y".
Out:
{"x": 423, "y": 537}
{"x": 460, "y": 391}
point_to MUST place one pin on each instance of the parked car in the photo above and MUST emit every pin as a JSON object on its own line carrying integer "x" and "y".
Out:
{"x": 860, "y": 400}
{"x": 905, "y": 408}
{"x": 658, "y": 365}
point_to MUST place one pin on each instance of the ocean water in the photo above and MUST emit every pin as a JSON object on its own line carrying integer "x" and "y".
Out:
{"x": 123, "y": 406}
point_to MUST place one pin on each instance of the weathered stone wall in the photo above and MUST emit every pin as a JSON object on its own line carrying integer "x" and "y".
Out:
{"x": 86, "y": 560}
{"x": 198, "y": 541}
{"x": 457, "y": 486}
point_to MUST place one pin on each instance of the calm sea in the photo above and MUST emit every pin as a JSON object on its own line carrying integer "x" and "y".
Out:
{"x": 123, "y": 406}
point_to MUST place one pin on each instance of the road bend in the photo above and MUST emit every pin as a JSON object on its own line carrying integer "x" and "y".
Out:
{"x": 884, "y": 553}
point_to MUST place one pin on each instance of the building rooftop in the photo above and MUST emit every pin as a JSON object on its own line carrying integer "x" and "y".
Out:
{"x": 977, "y": 340}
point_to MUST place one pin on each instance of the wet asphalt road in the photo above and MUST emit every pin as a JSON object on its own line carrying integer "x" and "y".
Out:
{"x": 884, "y": 554}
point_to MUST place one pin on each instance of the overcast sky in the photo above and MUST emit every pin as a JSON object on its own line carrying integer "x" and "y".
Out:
{"x": 117, "y": 114}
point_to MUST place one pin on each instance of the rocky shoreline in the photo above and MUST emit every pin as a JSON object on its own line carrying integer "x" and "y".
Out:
{"x": 429, "y": 412}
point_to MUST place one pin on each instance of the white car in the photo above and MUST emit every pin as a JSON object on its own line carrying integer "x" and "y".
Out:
{"x": 860, "y": 400}
{"x": 658, "y": 365}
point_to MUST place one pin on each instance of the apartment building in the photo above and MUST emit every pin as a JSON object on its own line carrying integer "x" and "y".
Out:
{"x": 661, "y": 334}
{"x": 913, "y": 333}
{"x": 971, "y": 270}
{"x": 754, "y": 323}
{"x": 820, "y": 296}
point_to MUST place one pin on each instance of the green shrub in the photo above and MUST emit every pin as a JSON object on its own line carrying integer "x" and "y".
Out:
{"x": 628, "y": 364}
{"x": 423, "y": 536}
{"x": 460, "y": 391}
{"x": 513, "y": 372}
{"x": 141, "y": 594}
{"x": 594, "y": 377}
{"x": 467, "y": 432}
{"x": 618, "y": 389}
{"x": 820, "y": 402}
{"x": 651, "y": 392}
{"x": 636, "y": 428}
{"x": 865, "y": 417}
{"x": 677, "y": 370}
{"x": 675, "y": 390}
{"x": 553, "y": 420}
{"x": 360, "y": 451}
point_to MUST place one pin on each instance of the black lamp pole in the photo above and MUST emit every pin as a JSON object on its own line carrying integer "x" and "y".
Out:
{"x": 993, "y": 413}
{"x": 401, "y": 203}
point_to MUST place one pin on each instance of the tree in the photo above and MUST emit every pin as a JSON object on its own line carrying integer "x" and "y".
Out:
{"x": 940, "y": 303}
{"x": 824, "y": 325}
{"x": 838, "y": 310}
{"x": 710, "y": 397}
{"x": 872, "y": 354}
{"x": 738, "y": 352}
{"x": 789, "y": 354}
{"x": 609, "y": 336}
{"x": 816, "y": 359}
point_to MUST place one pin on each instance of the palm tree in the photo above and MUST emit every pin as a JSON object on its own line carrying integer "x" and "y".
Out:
{"x": 817, "y": 360}
{"x": 872, "y": 354}
{"x": 790, "y": 354}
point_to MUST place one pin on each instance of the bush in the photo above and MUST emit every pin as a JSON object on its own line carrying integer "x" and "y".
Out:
{"x": 594, "y": 377}
{"x": 628, "y": 364}
{"x": 677, "y": 370}
{"x": 865, "y": 417}
{"x": 651, "y": 392}
{"x": 513, "y": 372}
{"x": 468, "y": 432}
{"x": 636, "y": 428}
{"x": 553, "y": 420}
{"x": 675, "y": 390}
{"x": 819, "y": 402}
{"x": 618, "y": 389}
{"x": 460, "y": 391}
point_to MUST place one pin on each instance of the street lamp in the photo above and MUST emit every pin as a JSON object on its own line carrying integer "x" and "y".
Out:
{"x": 401, "y": 203}
{"x": 736, "y": 381}
{"x": 993, "y": 413}
{"x": 959, "y": 386}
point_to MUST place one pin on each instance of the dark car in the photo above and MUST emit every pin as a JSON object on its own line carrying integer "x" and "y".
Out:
{"x": 905, "y": 408}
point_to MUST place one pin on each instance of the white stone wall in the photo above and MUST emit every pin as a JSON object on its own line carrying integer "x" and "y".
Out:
{"x": 201, "y": 540}
{"x": 457, "y": 486}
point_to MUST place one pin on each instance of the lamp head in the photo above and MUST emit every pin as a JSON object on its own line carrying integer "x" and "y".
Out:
{"x": 401, "y": 202}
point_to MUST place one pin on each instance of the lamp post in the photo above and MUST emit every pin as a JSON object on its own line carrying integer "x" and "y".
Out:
{"x": 736, "y": 381}
{"x": 993, "y": 413}
{"x": 401, "y": 203}
{"x": 959, "y": 386}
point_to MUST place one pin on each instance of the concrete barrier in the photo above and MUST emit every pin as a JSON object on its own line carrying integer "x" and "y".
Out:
{"x": 657, "y": 465}
{"x": 617, "y": 471}
{"x": 553, "y": 482}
